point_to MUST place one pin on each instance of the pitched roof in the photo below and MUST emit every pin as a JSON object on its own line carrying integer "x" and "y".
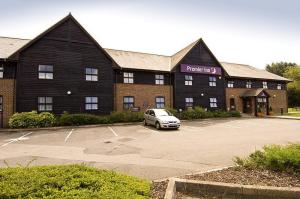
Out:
{"x": 254, "y": 92}
{"x": 10, "y": 45}
{"x": 246, "y": 71}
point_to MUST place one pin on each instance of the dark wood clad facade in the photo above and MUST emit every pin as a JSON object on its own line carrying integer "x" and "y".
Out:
{"x": 256, "y": 83}
{"x": 199, "y": 55}
{"x": 70, "y": 50}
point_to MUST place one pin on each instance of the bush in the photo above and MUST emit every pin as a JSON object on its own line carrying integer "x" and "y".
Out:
{"x": 31, "y": 120}
{"x": 72, "y": 181}
{"x": 67, "y": 119}
{"x": 126, "y": 117}
{"x": 274, "y": 157}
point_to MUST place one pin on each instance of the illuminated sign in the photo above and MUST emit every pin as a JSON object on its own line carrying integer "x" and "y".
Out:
{"x": 187, "y": 68}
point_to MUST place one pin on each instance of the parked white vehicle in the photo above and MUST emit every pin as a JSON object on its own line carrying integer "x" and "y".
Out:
{"x": 161, "y": 118}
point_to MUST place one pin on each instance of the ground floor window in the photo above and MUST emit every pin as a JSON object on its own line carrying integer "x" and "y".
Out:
{"x": 45, "y": 103}
{"x": 213, "y": 102}
{"x": 128, "y": 102}
{"x": 189, "y": 102}
{"x": 91, "y": 103}
{"x": 1, "y": 103}
{"x": 160, "y": 102}
{"x": 262, "y": 100}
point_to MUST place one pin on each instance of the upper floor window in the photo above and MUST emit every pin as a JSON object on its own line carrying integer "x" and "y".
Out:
{"x": 212, "y": 81}
{"x": 265, "y": 84}
{"x": 159, "y": 79}
{"x": 1, "y": 71}
{"x": 91, "y": 103}
{"x": 91, "y": 74}
{"x": 213, "y": 102}
{"x": 128, "y": 102}
{"x": 279, "y": 86}
{"x": 45, "y": 72}
{"x": 128, "y": 78}
{"x": 189, "y": 102}
{"x": 188, "y": 80}
{"x": 230, "y": 84}
{"x": 248, "y": 84}
{"x": 160, "y": 102}
{"x": 45, "y": 103}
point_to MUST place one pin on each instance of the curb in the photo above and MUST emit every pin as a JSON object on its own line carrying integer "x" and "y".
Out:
{"x": 229, "y": 190}
{"x": 283, "y": 117}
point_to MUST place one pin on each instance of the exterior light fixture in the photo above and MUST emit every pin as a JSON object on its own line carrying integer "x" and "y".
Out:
{"x": 69, "y": 92}
{"x": 274, "y": 96}
{"x": 220, "y": 77}
{"x": 202, "y": 94}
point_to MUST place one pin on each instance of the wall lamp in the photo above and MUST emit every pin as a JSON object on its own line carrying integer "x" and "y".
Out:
{"x": 202, "y": 94}
{"x": 69, "y": 92}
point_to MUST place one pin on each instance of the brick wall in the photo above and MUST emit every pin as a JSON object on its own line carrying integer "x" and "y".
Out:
{"x": 144, "y": 95}
{"x": 277, "y": 100}
{"x": 7, "y": 92}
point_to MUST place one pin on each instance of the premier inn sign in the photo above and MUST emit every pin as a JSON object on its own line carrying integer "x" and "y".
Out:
{"x": 186, "y": 68}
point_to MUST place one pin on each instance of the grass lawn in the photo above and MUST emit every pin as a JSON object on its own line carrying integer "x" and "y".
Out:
{"x": 293, "y": 112}
{"x": 71, "y": 181}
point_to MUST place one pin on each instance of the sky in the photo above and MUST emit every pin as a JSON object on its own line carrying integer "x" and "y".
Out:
{"x": 256, "y": 32}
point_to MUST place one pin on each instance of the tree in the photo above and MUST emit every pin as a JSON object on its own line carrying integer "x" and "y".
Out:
{"x": 279, "y": 68}
{"x": 293, "y": 88}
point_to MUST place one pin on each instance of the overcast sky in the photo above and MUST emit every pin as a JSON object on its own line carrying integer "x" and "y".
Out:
{"x": 255, "y": 32}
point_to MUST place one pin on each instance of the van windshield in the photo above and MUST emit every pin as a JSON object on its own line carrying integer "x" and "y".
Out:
{"x": 162, "y": 113}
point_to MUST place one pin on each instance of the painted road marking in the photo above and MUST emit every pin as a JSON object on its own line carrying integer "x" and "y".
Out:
{"x": 69, "y": 134}
{"x": 112, "y": 131}
{"x": 23, "y": 137}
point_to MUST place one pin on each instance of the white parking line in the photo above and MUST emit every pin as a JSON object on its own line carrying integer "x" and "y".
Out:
{"x": 112, "y": 131}
{"x": 69, "y": 134}
{"x": 16, "y": 139}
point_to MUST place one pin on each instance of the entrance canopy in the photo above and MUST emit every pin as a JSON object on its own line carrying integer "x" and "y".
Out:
{"x": 260, "y": 92}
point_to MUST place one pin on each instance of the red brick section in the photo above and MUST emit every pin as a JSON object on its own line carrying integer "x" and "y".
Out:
{"x": 7, "y": 92}
{"x": 277, "y": 100}
{"x": 144, "y": 95}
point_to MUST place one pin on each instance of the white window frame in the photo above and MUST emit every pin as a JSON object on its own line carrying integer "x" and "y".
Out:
{"x": 45, "y": 104}
{"x": 128, "y": 102}
{"x": 189, "y": 102}
{"x": 159, "y": 79}
{"x": 265, "y": 84}
{"x": 45, "y": 71}
{"x": 91, "y": 74}
{"x": 230, "y": 84}
{"x": 128, "y": 78}
{"x": 262, "y": 100}
{"x": 188, "y": 80}
{"x": 160, "y": 102}
{"x": 213, "y": 102}
{"x": 91, "y": 103}
{"x": 279, "y": 86}
{"x": 1, "y": 72}
{"x": 248, "y": 84}
{"x": 212, "y": 81}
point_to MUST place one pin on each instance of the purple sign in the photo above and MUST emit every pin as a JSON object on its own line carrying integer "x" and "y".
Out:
{"x": 200, "y": 69}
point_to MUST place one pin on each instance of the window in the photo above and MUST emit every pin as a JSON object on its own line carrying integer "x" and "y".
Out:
{"x": 91, "y": 103}
{"x": 188, "y": 80}
{"x": 1, "y": 71}
{"x": 262, "y": 100}
{"x": 248, "y": 84}
{"x": 230, "y": 84}
{"x": 128, "y": 102}
{"x": 213, "y": 102}
{"x": 159, "y": 79}
{"x": 91, "y": 74}
{"x": 212, "y": 81}
{"x": 189, "y": 102}
{"x": 279, "y": 86}
{"x": 45, "y": 72}
{"x": 1, "y": 103}
{"x": 45, "y": 104}
{"x": 160, "y": 102}
{"x": 265, "y": 84}
{"x": 128, "y": 78}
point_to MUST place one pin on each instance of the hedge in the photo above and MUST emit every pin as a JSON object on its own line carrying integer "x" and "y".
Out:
{"x": 31, "y": 120}
{"x": 70, "y": 181}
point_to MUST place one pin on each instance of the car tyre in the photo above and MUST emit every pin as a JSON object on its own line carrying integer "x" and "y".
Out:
{"x": 145, "y": 123}
{"x": 157, "y": 125}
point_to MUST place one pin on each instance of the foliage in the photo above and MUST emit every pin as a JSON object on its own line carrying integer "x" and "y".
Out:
{"x": 126, "y": 117}
{"x": 293, "y": 87}
{"x": 280, "y": 68}
{"x": 72, "y": 181}
{"x": 31, "y": 120}
{"x": 274, "y": 157}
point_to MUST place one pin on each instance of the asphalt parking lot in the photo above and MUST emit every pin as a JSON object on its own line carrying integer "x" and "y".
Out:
{"x": 144, "y": 151}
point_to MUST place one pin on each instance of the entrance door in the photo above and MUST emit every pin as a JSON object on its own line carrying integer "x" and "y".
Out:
{"x": 247, "y": 105}
{"x": 232, "y": 104}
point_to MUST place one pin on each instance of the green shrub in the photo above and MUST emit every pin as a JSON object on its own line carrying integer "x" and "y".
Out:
{"x": 126, "y": 117}
{"x": 72, "y": 181}
{"x": 67, "y": 119}
{"x": 31, "y": 120}
{"x": 274, "y": 157}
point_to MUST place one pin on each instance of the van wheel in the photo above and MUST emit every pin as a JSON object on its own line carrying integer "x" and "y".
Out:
{"x": 157, "y": 125}
{"x": 145, "y": 123}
